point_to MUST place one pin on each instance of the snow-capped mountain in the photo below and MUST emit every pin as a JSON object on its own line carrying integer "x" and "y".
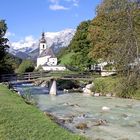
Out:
{"x": 25, "y": 45}
{"x": 56, "y": 40}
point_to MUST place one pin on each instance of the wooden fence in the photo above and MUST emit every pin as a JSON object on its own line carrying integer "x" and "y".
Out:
{"x": 41, "y": 75}
{"x": 24, "y": 76}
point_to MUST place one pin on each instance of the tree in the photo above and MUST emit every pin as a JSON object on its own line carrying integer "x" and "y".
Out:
{"x": 3, "y": 40}
{"x": 5, "y": 66}
{"x": 80, "y": 46}
{"x": 115, "y": 34}
{"x": 9, "y": 64}
{"x": 26, "y": 66}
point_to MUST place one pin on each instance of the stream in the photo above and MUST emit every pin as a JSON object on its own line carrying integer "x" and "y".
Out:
{"x": 98, "y": 118}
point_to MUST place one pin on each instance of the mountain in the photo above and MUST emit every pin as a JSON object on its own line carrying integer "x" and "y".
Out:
{"x": 28, "y": 48}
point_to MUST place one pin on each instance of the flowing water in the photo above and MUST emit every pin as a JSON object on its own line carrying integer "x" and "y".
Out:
{"x": 120, "y": 121}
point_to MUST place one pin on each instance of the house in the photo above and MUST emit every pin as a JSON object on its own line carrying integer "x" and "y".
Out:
{"x": 46, "y": 59}
{"x": 101, "y": 68}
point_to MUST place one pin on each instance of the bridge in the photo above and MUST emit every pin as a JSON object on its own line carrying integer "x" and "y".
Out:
{"x": 48, "y": 76}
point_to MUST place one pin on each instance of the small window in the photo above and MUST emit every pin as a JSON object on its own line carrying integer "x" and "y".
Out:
{"x": 43, "y": 46}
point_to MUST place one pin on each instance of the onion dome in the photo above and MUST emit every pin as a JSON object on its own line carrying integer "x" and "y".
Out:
{"x": 43, "y": 40}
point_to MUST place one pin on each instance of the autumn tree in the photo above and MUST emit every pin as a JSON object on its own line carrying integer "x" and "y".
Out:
{"x": 114, "y": 34}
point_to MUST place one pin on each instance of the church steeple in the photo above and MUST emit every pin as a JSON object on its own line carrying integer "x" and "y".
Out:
{"x": 43, "y": 40}
{"x": 42, "y": 43}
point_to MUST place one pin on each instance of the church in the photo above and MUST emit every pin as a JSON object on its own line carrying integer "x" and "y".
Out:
{"x": 46, "y": 59}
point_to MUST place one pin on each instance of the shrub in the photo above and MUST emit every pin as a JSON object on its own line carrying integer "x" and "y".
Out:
{"x": 26, "y": 66}
{"x": 106, "y": 84}
{"x": 128, "y": 86}
{"x": 28, "y": 98}
{"x": 100, "y": 85}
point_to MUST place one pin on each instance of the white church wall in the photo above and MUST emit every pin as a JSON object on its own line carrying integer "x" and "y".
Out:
{"x": 54, "y": 68}
{"x": 42, "y": 60}
{"x": 53, "y": 61}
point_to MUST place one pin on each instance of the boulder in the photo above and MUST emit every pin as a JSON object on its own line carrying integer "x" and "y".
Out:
{"x": 81, "y": 126}
{"x": 108, "y": 95}
{"x": 90, "y": 86}
{"x": 88, "y": 89}
{"x": 105, "y": 108}
{"x": 97, "y": 94}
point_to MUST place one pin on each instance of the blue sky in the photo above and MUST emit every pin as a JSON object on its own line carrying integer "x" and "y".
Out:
{"x": 31, "y": 17}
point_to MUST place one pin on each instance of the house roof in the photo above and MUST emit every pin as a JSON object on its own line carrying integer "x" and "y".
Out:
{"x": 47, "y": 52}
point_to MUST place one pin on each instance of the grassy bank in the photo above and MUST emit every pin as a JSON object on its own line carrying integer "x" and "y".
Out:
{"x": 19, "y": 121}
{"x": 107, "y": 85}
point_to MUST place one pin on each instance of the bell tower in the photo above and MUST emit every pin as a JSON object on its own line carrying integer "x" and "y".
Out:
{"x": 42, "y": 43}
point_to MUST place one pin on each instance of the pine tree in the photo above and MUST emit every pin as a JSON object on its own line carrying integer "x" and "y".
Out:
{"x": 3, "y": 40}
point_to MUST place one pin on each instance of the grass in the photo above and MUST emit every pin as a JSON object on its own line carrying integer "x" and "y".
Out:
{"x": 106, "y": 85}
{"x": 137, "y": 95}
{"x": 110, "y": 84}
{"x": 66, "y": 59}
{"x": 20, "y": 121}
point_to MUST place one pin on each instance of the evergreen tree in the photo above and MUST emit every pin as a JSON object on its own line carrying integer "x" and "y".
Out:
{"x": 3, "y": 40}
{"x": 80, "y": 45}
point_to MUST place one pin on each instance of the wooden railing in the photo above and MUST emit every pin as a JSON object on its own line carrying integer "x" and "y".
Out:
{"x": 23, "y": 76}
{"x": 41, "y": 75}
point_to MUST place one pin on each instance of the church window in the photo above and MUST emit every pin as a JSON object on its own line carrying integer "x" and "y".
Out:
{"x": 43, "y": 46}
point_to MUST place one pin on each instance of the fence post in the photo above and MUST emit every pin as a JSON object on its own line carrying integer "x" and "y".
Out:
{"x": 29, "y": 76}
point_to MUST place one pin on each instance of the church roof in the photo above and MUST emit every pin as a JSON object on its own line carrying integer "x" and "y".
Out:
{"x": 47, "y": 52}
{"x": 43, "y": 40}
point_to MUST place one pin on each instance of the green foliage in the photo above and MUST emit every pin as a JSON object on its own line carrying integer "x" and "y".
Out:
{"x": 26, "y": 66}
{"x": 28, "y": 98}
{"x": 20, "y": 121}
{"x": 5, "y": 66}
{"x": 128, "y": 86}
{"x": 115, "y": 37}
{"x": 67, "y": 58}
{"x": 114, "y": 33}
{"x": 80, "y": 46}
{"x": 76, "y": 55}
{"x": 3, "y": 40}
{"x": 8, "y": 63}
{"x": 106, "y": 85}
{"x": 112, "y": 36}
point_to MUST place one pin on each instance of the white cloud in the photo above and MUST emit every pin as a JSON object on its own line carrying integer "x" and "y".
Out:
{"x": 55, "y": 4}
{"x": 9, "y": 34}
{"x": 28, "y": 41}
{"x": 75, "y": 3}
{"x": 58, "y": 7}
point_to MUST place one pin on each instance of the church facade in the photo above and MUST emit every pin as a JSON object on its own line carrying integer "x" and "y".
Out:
{"x": 46, "y": 59}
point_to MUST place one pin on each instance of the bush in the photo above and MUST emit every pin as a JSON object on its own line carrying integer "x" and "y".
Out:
{"x": 100, "y": 86}
{"x": 26, "y": 66}
{"x": 106, "y": 84}
{"x": 128, "y": 86}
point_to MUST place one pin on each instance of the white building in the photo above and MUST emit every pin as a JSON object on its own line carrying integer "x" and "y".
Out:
{"x": 46, "y": 57}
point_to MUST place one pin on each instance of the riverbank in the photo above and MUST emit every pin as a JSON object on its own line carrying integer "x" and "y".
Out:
{"x": 19, "y": 120}
{"x": 110, "y": 85}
